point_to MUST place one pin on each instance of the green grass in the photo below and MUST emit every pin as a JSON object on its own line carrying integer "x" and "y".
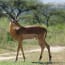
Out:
{"x": 15, "y": 63}
{"x": 4, "y": 23}
{"x": 56, "y": 35}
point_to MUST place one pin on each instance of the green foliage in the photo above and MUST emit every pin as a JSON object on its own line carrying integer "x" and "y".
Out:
{"x": 8, "y": 37}
{"x": 40, "y": 13}
{"x": 43, "y": 14}
{"x": 56, "y": 35}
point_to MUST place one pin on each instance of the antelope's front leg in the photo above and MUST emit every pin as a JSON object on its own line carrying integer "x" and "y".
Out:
{"x": 17, "y": 51}
{"x": 22, "y": 51}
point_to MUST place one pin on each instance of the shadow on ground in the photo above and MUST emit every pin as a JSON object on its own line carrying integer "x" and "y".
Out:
{"x": 49, "y": 63}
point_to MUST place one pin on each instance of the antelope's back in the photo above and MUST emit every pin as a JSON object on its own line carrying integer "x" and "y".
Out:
{"x": 31, "y": 30}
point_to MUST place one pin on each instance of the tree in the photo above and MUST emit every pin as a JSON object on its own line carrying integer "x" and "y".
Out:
{"x": 42, "y": 13}
{"x": 47, "y": 11}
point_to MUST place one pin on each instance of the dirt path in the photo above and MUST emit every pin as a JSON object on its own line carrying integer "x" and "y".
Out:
{"x": 12, "y": 55}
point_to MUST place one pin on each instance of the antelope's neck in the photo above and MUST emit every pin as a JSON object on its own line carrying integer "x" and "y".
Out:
{"x": 13, "y": 27}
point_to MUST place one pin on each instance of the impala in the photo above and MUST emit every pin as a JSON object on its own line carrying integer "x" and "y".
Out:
{"x": 19, "y": 33}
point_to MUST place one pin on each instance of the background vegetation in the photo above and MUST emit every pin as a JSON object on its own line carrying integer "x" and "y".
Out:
{"x": 49, "y": 15}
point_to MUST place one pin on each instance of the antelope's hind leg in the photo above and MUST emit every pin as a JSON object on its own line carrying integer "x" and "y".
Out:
{"x": 49, "y": 52}
{"x": 42, "y": 49}
{"x": 42, "y": 45}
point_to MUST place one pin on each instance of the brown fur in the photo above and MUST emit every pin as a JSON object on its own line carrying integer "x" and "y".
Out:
{"x": 20, "y": 33}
